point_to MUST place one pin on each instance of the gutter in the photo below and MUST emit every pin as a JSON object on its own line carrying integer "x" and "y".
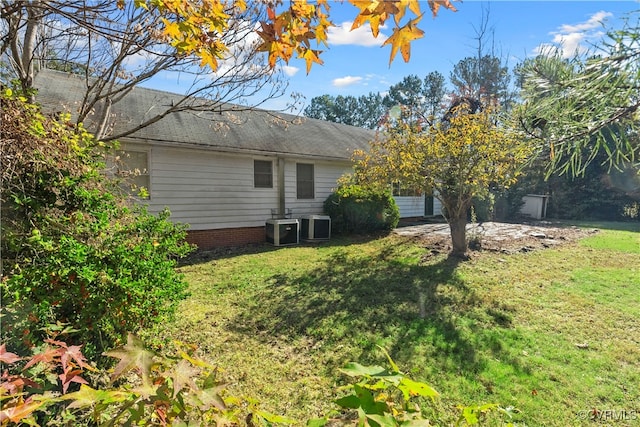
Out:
{"x": 187, "y": 145}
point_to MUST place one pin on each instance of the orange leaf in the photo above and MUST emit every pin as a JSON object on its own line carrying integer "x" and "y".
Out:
{"x": 374, "y": 22}
{"x": 321, "y": 30}
{"x": 22, "y": 411}
{"x": 6, "y": 357}
{"x": 271, "y": 13}
{"x": 402, "y": 38}
{"x": 46, "y": 356}
{"x": 311, "y": 56}
{"x": 72, "y": 376}
{"x": 373, "y": 11}
{"x": 276, "y": 50}
{"x": 435, "y": 6}
{"x": 206, "y": 58}
{"x": 413, "y": 5}
{"x": 268, "y": 33}
{"x": 301, "y": 9}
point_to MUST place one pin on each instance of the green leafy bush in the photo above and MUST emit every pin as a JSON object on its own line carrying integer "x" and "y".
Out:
{"x": 359, "y": 209}
{"x": 74, "y": 250}
{"x": 483, "y": 207}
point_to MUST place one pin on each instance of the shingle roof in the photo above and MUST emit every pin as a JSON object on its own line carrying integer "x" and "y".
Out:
{"x": 255, "y": 131}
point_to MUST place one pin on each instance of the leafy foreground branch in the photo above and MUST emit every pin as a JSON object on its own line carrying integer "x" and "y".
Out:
{"x": 146, "y": 388}
{"x": 74, "y": 249}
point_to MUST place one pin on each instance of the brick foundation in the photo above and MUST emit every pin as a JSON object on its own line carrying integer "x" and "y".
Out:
{"x": 209, "y": 239}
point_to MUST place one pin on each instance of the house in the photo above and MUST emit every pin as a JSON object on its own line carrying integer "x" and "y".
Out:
{"x": 223, "y": 173}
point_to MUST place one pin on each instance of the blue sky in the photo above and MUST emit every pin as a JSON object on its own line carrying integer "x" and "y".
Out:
{"x": 360, "y": 65}
{"x": 356, "y": 64}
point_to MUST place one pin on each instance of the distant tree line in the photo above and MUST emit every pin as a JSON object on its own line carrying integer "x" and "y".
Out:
{"x": 419, "y": 99}
{"x": 600, "y": 180}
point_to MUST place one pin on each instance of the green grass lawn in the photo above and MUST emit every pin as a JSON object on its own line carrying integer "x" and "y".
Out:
{"x": 551, "y": 333}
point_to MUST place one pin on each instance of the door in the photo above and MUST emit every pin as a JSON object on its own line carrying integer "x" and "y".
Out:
{"x": 428, "y": 205}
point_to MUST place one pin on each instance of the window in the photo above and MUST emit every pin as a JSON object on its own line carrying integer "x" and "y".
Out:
{"x": 262, "y": 174}
{"x": 304, "y": 181}
{"x": 133, "y": 168}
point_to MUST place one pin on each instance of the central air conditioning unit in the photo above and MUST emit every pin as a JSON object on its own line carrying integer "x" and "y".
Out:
{"x": 282, "y": 232}
{"x": 315, "y": 227}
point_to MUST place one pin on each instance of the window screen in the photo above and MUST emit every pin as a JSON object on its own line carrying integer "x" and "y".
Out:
{"x": 262, "y": 174}
{"x": 304, "y": 181}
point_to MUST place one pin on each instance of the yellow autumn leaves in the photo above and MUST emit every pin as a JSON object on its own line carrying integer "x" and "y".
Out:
{"x": 292, "y": 30}
{"x": 298, "y": 27}
{"x": 196, "y": 27}
{"x": 467, "y": 154}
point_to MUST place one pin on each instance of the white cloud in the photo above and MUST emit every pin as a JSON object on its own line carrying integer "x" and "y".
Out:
{"x": 342, "y": 35}
{"x": 594, "y": 22}
{"x": 140, "y": 60}
{"x": 571, "y": 39}
{"x": 346, "y": 81}
{"x": 290, "y": 71}
{"x": 571, "y": 43}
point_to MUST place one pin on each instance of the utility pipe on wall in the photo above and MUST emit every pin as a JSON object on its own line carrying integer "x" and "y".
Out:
{"x": 281, "y": 189}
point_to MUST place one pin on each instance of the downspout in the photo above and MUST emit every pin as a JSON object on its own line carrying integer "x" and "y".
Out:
{"x": 281, "y": 188}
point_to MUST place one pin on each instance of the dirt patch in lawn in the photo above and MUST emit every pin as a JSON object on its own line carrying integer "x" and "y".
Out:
{"x": 496, "y": 236}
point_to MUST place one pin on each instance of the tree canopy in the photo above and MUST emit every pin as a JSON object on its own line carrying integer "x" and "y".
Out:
{"x": 458, "y": 158}
{"x": 364, "y": 111}
{"x": 420, "y": 99}
{"x": 485, "y": 78}
{"x": 576, "y": 108}
{"x": 415, "y": 98}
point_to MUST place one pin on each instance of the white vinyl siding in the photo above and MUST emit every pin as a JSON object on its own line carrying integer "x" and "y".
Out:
{"x": 212, "y": 190}
{"x": 437, "y": 207}
{"x": 326, "y": 177}
{"x": 411, "y": 207}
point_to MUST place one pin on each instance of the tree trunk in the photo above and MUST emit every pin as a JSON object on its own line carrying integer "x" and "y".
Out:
{"x": 458, "y": 227}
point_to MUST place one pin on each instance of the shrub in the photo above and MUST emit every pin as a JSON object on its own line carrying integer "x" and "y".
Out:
{"x": 483, "y": 207}
{"x": 73, "y": 250}
{"x": 359, "y": 209}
